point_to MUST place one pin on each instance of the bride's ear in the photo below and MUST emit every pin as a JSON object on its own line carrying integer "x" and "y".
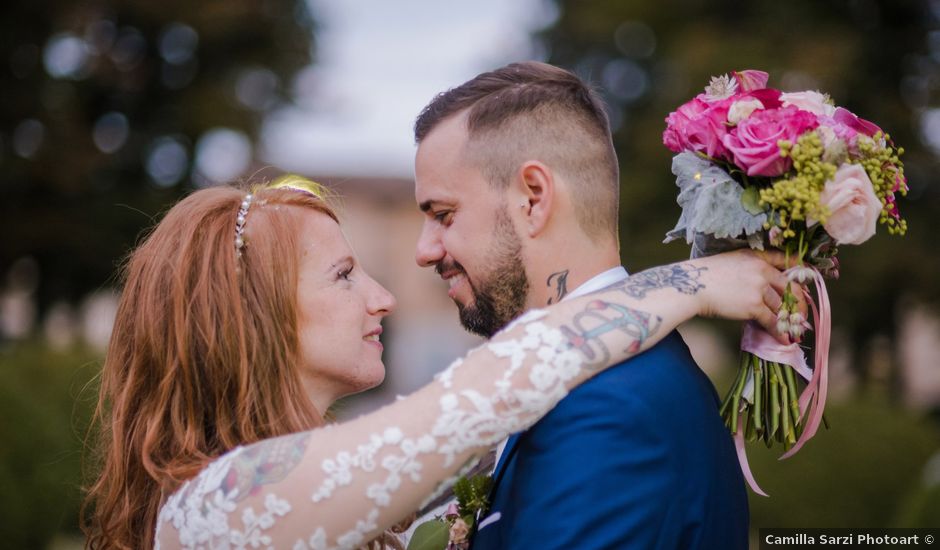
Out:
{"x": 538, "y": 196}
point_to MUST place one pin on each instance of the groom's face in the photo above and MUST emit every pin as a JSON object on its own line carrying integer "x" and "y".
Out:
{"x": 468, "y": 235}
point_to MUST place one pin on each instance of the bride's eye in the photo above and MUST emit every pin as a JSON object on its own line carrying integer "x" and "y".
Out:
{"x": 344, "y": 274}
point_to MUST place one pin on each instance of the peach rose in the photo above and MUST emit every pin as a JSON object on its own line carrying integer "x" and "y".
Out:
{"x": 459, "y": 531}
{"x": 853, "y": 207}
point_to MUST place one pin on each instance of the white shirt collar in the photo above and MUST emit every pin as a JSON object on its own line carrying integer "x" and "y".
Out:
{"x": 599, "y": 281}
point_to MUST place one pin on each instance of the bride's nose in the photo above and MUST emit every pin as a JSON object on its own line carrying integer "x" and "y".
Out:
{"x": 381, "y": 301}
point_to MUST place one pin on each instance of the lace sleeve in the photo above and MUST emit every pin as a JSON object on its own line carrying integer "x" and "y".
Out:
{"x": 340, "y": 486}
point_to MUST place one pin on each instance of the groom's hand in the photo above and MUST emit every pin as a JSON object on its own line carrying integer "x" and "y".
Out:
{"x": 746, "y": 285}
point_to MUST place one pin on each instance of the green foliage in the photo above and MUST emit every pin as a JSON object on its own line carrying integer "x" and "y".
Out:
{"x": 880, "y": 165}
{"x": 46, "y": 402}
{"x": 797, "y": 198}
{"x": 865, "y": 471}
{"x": 920, "y": 508}
{"x": 472, "y": 495}
{"x": 430, "y": 535}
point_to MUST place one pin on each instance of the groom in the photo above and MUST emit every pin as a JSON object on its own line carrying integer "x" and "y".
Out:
{"x": 518, "y": 181}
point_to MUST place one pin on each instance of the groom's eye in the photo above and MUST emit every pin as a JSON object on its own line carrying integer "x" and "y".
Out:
{"x": 443, "y": 217}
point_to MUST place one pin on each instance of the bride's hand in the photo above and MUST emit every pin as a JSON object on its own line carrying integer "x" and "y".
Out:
{"x": 745, "y": 285}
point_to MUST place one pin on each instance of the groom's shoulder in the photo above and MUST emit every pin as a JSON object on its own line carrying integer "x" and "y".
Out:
{"x": 648, "y": 385}
{"x": 668, "y": 365}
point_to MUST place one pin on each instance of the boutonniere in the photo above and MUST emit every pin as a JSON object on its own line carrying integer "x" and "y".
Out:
{"x": 451, "y": 531}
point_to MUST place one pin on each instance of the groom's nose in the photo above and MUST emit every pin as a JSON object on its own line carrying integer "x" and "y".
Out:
{"x": 429, "y": 250}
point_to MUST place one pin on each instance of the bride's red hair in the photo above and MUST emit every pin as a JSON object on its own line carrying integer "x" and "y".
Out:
{"x": 202, "y": 356}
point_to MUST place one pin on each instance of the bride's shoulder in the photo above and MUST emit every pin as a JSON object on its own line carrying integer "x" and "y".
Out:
{"x": 185, "y": 510}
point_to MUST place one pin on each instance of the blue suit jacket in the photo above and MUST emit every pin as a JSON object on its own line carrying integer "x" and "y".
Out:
{"x": 636, "y": 457}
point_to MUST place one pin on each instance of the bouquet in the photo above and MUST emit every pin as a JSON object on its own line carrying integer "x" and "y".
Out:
{"x": 760, "y": 168}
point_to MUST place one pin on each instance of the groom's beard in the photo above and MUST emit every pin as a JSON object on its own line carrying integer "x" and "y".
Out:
{"x": 500, "y": 295}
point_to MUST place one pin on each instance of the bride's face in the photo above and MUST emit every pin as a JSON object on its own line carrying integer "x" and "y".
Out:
{"x": 340, "y": 311}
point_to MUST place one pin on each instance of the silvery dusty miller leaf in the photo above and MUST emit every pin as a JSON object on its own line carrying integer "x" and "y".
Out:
{"x": 711, "y": 204}
{"x": 704, "y": 244}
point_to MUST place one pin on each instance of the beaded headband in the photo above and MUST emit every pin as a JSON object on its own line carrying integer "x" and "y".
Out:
{"x": 240, "y": 224}
{"x": 289, "y": 181}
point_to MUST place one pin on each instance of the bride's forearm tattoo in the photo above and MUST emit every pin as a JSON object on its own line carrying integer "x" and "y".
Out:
{"x": 682, "y": 277}
{"x": 561, "y": 285}
{"x": 264, "y": 463}
{"x": 600, "y": 317}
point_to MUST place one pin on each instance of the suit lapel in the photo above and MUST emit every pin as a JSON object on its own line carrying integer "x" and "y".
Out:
{"x": 508, "y": 451}
{"x": 511, "y": 446}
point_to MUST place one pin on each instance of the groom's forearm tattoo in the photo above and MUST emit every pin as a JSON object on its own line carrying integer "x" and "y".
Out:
{"x": 682, "y": 277}
{"x": 599, "y": 317}
{"x": 264, "y": 463}
{"x": 561, "y": 285}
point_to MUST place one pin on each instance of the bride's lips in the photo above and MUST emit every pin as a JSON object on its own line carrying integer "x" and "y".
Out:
{"x": 372, "y": 338}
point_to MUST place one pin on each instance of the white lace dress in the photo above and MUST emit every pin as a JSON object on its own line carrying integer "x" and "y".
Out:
{"x": 342, "y": 485}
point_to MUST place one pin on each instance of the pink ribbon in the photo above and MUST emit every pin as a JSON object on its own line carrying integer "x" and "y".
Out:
{"x": 758, "y": 341}
{"x": 813, "y": 399}
{"x": 745, "y": 467}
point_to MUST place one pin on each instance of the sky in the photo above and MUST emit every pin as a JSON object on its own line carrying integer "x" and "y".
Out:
{"x": 377, "y": 65}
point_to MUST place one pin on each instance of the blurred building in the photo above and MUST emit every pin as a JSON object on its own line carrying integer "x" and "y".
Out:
{"x": 919, "y": 355}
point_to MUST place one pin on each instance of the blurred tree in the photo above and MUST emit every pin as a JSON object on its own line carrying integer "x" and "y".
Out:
{"x": 46, "y": 403}
{"x": 108, "y": 103}
{"x": 879, "y": 58}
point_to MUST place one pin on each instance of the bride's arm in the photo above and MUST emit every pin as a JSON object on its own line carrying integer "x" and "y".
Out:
{"x": 343, "y": 485}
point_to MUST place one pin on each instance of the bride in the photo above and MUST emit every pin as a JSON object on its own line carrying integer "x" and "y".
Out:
{"x": 244, "y": 317}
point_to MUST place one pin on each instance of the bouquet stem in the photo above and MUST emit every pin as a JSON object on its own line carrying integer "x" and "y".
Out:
{"x": 763, "y": 402}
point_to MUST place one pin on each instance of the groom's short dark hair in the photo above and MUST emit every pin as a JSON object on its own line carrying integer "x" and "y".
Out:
{"x": 535, "y": 110}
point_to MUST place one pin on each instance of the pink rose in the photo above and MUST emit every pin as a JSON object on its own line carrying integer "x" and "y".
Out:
{"x": 674, "y": 137}
{"x": 705, "y": 133}
{"x": 810, "y": 101}
{"x": 853, "y": 207}
{"x": 754, "y": 142}
{"x": 698, "y": 126}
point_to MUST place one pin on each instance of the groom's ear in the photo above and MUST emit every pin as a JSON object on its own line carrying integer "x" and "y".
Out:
{"x": 538, "y": 191}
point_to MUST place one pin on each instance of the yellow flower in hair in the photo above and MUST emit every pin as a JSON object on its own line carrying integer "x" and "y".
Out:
{"x": 298, "y": 183}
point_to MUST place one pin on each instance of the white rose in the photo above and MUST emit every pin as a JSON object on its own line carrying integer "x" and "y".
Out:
{"x": 810, "y": 101}
{"x": 742, "y": 109}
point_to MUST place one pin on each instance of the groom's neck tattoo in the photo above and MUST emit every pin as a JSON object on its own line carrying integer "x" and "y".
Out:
{"x": 587, "y": 328}
{"x": 560, "y": 283}
{"x": 681, "y": 277}
{"x": 264, "y": 463}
